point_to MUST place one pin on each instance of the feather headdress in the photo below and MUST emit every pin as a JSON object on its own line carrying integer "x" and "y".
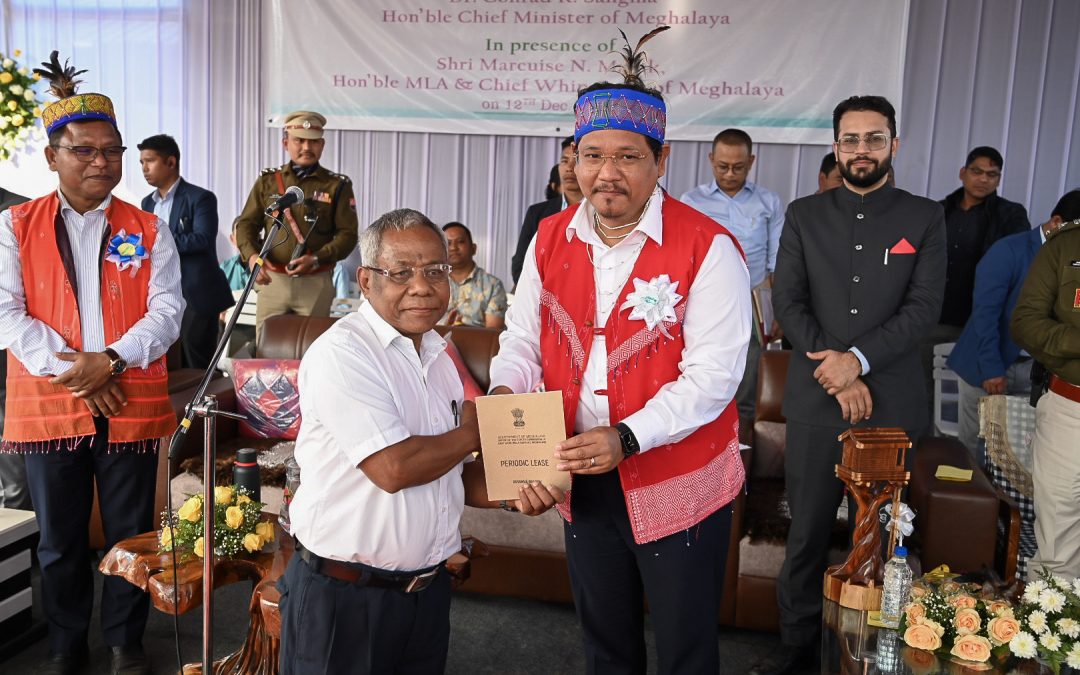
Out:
{"x": 71, "y": 106}
{"x": 630, "y": 106}
{"x": 62, "y": 82}
{"x": 636, "y": 62}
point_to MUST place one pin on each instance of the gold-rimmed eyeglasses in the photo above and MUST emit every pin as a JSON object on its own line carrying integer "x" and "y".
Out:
{"x": 592, "y": 161}
{"x": 433, "y": 274}
{"x": 851, "y": 142}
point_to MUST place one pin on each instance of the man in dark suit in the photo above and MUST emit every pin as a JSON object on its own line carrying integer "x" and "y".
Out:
{"x": 191, "y": 213}
{"x": 571, "y": 195}
{"x": 859, "y": 277}
{"x": 8, "y": 198}
{"x": 985, "y": 357}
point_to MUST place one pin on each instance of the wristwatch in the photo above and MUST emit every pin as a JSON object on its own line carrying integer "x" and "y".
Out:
{"x": 628, "y": 439}
{"x": 117, "y": 365}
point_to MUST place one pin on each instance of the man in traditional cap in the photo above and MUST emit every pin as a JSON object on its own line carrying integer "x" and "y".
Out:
{"x": 637, "y": 307}
{"x": 320, "y": 231}
{"x": 90, "y": 301}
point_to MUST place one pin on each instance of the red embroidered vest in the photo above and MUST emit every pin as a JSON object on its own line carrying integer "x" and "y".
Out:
{"x": 38, "y": 411}
{"x": 670, "y": 487}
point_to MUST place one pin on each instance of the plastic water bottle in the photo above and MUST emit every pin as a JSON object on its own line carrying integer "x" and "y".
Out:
{"x": 896, "y": 589}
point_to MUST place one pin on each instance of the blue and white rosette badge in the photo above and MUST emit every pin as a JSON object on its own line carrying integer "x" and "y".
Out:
{"x": 653, "y": 302}
{"x": 126, "y": 250}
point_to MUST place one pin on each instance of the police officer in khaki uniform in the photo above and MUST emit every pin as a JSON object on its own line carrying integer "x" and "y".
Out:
{"x": 1046, "y": 322}
{"x": 320, "y": 231}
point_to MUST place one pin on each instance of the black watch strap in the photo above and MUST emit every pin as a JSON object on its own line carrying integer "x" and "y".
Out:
{"x": 628, "y": 439}
{"x": 117, "y": 365}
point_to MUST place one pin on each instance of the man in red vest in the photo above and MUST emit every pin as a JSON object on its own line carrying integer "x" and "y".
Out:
{"x": 637, "y": 307}
{"x": 90, "y": 301}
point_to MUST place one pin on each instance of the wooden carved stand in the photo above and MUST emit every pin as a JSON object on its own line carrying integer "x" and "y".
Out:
{"x": 873, "y": 471}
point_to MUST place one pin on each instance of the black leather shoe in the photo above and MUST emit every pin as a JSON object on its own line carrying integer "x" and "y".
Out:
{"x": 128, "y": 661}
{"x": 795, "y": 661}
{"x": 63, "y": 664}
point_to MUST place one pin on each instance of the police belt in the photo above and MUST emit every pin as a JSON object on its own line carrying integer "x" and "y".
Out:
{"x": 283, "y": 269}
{"x": 365, "y": 575}
{"x": 1063, "y": 388}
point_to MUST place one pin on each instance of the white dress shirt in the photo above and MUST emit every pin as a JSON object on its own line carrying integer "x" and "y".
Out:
{"x": 163, "y": 205}
{"x": 363, "y": 388}
{"x": 34, "y": 342}
{"x": 716, "y": 330}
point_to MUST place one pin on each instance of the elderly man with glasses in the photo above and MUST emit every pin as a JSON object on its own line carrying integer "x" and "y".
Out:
{"x": 387, "y": 447}
{"x": 858, "y": 280}
{"x": 90, "y": 301}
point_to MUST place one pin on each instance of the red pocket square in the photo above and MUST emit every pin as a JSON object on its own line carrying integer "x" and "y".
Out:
{"x": 902, "y": 246}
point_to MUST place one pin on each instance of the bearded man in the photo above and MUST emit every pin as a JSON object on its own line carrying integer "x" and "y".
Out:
{"x": 860, "y": 277}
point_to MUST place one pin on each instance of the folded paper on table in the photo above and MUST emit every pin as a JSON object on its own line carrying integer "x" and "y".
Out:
{"x": 518, "y": 434}
{"x": 946, "y": 472}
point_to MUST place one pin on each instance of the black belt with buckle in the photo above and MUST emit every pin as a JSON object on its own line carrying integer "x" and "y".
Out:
{"x": 363, "y": 575}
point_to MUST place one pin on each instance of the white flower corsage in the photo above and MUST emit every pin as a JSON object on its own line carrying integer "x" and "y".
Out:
{"x": 126, "y": 250}
{"x": 654, "y": 302}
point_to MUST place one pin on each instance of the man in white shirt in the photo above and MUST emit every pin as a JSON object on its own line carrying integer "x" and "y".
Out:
{"x": 637, "y": 308}
{"x": 387, "y": 467}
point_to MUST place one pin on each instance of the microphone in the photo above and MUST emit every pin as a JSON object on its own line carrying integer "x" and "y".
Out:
{"x": 292, "y": 195}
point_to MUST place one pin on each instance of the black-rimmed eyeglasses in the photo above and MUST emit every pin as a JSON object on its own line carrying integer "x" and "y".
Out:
{"x": 88, "y": 153}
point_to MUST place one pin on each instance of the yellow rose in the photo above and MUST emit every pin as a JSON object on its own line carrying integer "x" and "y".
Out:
{"x": 242, "y": 499}
{"x": 922, "y": 636}
{"x": 23, "y": 71}
{"x": 962, "y": 600}
{"x": 17, "y": 53}
{"x": 198, "y": 546}
{"x": 223, "y": 495}
{"x": 28, "y": 94}
{"x": 12, "y": 105}
{"x": 16, "y": 89}
{"x": 967, "y": 621}
{"x": 1002, "y": 629}
{"x": 252, "y": 542}
{"x": 17, "y": 120}
{"x": 266, "y": 531}
{"x": 191, "y": 511}
{"x": 166, "y": 538}
{"x": 36, "y": 77}
{"x": 37, "y": 111}
{"x": 6, "y": 78}
{"x": 234, "y": 516}
{"x": 971, "y": 648}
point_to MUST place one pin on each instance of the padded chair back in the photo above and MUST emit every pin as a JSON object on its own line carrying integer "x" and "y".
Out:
{"x": 770, "y": 426}
{"x": 289, "y": 336}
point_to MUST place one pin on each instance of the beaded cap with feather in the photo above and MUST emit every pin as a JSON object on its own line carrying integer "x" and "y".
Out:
{"x": 71, "y": 106}
{"x": 631, "y": 105}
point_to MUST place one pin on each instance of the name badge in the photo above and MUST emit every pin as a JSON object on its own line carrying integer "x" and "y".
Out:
{"x": 323, "y": 197}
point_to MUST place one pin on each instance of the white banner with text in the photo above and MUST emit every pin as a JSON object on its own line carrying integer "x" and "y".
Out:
{"x": 775, "y": 68}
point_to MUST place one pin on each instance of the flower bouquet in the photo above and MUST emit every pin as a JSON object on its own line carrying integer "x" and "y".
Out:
{"x": 958, "y": 622}
{"x": 19, "y": 106}
{"x": 237, "y": 526}
{"x": 1049, "y": 618}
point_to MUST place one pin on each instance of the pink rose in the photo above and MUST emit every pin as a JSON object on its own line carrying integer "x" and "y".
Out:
{"x": 1002, "y": 629}
{"x": 998, "y": 607}
{"x": 950, "y": 587}
{"x": 920, "y": 662}
{"x": 967, "y": 621}
{"x": 962, "y": 600}
{"x": 971, "y": 648}
{"x": 922, "y": 636}
{"x": 915, "y": 611}
{"x": 917, "y": 592}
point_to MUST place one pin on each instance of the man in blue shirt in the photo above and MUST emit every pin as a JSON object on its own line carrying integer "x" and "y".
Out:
{"x": 755, "y": 216}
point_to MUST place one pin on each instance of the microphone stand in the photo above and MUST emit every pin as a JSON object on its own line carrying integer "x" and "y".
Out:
{"x": 206, "y": 406}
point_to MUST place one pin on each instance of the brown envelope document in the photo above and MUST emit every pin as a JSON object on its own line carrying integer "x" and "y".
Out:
{"x": 518, "y": 433}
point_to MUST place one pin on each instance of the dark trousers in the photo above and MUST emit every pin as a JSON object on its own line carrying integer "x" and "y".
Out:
{"x": 610, "y": 575}
{"x": 62, "y": 488}
{"x": 814, "y": 493}
{"x": 336, "y": 628}
{"x": 198, "y": 337}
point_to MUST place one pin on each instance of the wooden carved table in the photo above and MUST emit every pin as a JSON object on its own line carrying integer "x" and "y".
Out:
{"x": 137, "y": 560}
